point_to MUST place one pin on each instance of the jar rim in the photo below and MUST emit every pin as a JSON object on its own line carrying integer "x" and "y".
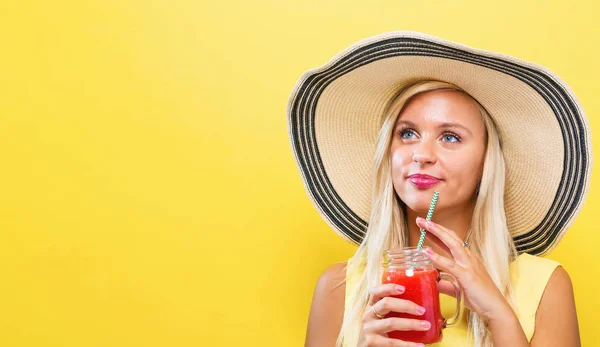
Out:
{"x": 405, "y": 250}
{"x": 402, "y": 257}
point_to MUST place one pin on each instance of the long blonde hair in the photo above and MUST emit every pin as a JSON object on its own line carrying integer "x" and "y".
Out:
{"x": 489, "y": 236}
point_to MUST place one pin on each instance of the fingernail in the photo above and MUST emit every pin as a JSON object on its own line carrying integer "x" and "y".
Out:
{"x": 429, "y": 251}
{"x": 426, "y": 325}
{"x": 420, "y": 219}
{"x": 400, "y": 289}
{"x": 420, "y": 310}
{"x": 420, "y": 345}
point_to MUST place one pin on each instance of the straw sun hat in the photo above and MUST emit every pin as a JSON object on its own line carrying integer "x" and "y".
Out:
{"x": 334, "y": 115}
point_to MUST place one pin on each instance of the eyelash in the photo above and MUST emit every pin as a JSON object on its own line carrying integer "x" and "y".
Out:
{"x": 401, "y": 132}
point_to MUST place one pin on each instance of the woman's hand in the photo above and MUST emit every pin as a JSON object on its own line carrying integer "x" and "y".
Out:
{"x": 481, "y": 293}
{"x": 374, "y": 329}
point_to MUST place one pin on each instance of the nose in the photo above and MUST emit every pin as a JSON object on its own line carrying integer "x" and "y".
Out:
{"x": 424, "y": 153}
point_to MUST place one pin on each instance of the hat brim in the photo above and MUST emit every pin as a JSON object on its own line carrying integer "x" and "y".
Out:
{"x": 333, "y": 117}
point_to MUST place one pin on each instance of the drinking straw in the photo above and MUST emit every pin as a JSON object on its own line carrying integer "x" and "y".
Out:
{"x": 429, "y": 215}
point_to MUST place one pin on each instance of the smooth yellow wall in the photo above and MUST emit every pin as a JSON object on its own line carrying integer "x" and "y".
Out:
{"x": 148, "y": 193}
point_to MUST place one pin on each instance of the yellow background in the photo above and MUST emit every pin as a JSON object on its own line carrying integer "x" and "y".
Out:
{"x": 148, "y": 193}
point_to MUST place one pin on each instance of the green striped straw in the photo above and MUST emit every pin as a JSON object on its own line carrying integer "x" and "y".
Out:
{"x": 429, "y": 215}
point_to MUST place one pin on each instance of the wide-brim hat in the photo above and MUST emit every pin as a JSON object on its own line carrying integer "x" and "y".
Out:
{"x": 334, "y": 115}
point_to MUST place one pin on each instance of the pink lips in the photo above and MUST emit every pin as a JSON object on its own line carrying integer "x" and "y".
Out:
{"x": 423, "y": 181}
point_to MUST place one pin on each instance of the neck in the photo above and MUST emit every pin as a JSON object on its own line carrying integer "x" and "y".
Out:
{"x": 457, "y": 219}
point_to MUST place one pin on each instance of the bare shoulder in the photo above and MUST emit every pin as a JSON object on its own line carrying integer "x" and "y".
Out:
{"x": 327, "y": 308}
{"x": 560, "y": 281}
{"x": 557, "y": 301}
{"x": 332, "y": 280}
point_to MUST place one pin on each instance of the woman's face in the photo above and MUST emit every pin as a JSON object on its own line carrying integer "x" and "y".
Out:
{"x": 441, "y": 136}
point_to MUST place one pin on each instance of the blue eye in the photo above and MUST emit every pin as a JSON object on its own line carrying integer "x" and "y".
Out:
{"x": 408, "y": 134}
{"x": 451, "y": 138}
{"x": 405, "y": 134}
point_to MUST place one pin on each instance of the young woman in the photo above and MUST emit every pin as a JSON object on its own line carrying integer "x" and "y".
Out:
{"x": 398, "y": 116}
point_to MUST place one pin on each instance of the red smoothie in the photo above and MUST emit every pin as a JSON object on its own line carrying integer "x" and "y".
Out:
{"x": 421, "y": 288}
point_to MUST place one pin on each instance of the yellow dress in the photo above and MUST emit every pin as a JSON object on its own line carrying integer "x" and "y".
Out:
{"x": 529, "y": 274}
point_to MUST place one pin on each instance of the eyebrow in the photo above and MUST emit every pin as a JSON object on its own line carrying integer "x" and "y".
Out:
{"x": 444, "y": 125}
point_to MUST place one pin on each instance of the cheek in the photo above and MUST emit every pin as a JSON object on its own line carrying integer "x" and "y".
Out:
{"x": 398, "y": 163}
{"x": 464, "y": 173}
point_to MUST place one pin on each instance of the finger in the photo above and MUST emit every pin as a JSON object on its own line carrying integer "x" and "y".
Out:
{"x": 391, "y": 304}
{"x": 381, "y": 341}
{"x": 446, "y": 287}
{"x": 425, "y": 224}
{"x": 379, "y": 292}
{"x": 445, "y": 264}
{"x": 386, "y": 325}
{"x": 449, "y": 238}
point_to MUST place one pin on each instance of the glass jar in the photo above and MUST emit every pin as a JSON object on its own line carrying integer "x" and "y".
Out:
{"x": 412, "y": 269}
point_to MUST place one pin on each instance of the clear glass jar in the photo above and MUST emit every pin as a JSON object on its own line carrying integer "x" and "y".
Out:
{"x": 412, "y": 269}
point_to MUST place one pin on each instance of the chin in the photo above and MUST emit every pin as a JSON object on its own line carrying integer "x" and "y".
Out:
{"x": 418, "y": 201}
{"x": 418, "y": 205}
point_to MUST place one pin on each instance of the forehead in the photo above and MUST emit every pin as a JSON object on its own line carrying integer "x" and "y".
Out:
{"x": 443, "y": 106}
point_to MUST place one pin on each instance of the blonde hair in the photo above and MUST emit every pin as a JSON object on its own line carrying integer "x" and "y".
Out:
{"x": 489, "y": 235}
